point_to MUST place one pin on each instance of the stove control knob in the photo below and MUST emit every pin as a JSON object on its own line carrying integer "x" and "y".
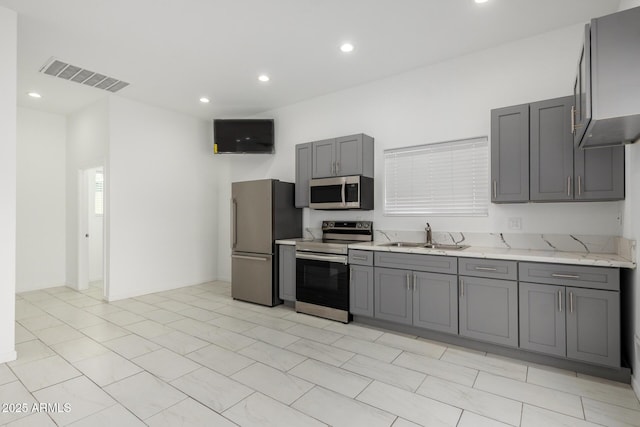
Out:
{"x": 332, "y": 224}
{"x": 366, "y": 225}
{"x": 359, "y": 225}
{"x": 325, "y": 225}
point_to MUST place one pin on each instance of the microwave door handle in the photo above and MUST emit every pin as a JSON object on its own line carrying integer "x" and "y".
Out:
{"x": 344, "y": 199}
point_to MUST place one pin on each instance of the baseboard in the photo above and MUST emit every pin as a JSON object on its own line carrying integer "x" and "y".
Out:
{"x": 8, "y": 357}
{"x": 635, "y": 385}
{"x": 141, "y": 292}
{"x": 38, "y": 288}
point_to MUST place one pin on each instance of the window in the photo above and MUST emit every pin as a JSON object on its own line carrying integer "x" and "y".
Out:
{"x": 442, "y": 179}
{"x": 98, "y": 203}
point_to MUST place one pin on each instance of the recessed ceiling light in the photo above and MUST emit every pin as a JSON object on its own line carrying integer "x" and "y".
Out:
{"x": 34, "y": 95}
{"x": 204, "y": 100}
{"x": 263, "y": 78}
{"x": 346, "y": 47}
{"x": 481, "y": 1}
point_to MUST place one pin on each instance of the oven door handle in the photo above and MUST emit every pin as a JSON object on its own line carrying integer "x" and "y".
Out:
{"x": 318, "y": 257}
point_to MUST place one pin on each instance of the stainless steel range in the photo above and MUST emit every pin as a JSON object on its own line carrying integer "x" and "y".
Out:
{"x": 322, "y": 269}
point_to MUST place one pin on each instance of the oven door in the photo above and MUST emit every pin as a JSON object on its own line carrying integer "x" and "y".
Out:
{"x": 322, "y": 279}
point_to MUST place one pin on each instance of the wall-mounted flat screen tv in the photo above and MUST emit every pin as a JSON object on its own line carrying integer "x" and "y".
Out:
{"x": 243, "y": 136}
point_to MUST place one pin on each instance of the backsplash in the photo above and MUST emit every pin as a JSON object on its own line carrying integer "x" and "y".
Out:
{"x": 546, "y": 242}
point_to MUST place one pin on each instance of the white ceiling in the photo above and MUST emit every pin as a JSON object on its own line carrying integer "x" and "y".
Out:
{"x": 174, "y": 52}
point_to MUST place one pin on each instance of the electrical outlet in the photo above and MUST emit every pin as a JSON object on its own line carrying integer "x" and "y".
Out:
{"x": 514, "y": 223}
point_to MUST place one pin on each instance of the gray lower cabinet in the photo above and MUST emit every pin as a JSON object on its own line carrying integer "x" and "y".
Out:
{"x": 287, "y": 272}
{"x": 361, "y": 290}
{"x": 510, "y": 154}
{"x": 593, "y": 326}
{"x": 489, "y": 310}
{"x": 426, "y": 300}
{"x": 393, "y": 298}
{"x": 303, "y": 174}
{"x": 577, "y": 323}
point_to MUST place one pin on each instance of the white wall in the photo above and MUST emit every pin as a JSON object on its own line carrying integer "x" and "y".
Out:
{"x": 8, "y": 52}
{"x": 95, "y": 227}
{"x": 631, "y": 230}
{"x": 87, "y": 145}
{"x": 40, "y": 246}
{"x": 446, "y": 101}
{"x": 162, "y": 200}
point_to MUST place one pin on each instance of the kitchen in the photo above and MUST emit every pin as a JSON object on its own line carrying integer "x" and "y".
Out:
{"x": 397, "y": 113}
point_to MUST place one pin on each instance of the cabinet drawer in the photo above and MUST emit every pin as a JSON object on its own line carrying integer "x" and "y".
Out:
{"x": 359, "y": 257}
{"x": 431, "y": 263}
{"x": 571, "y": 275}
{"x": 490, "y": 268}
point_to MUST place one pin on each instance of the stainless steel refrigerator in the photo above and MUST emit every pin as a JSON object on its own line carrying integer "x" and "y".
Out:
{"x": 261, "y": 212}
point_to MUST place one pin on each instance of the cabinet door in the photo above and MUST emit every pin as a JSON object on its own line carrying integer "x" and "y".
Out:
{"x": 435, "y": 301}
{"x": 542, "y": 318}
{"x": 599, "y": 173}
{"x": 287, "y": 272}
{"x": 510, "y": 154}
{"x": 303, "y": 174}
{"x": 489, "y": 310}
{"x": 324, "y": 158}
{"x": 392, "y": 296}
{"x": 349, "y": 155}
{"x": 551, "y": 145}
{"x": 593, "y": 326}
{"x": 582, "y": 90}
{"x": 361, "y": 290}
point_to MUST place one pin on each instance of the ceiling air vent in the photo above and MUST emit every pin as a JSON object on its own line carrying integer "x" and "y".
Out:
{"x": 55, "y": 67}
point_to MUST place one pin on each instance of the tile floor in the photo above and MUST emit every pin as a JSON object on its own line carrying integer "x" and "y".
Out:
{"x": 195, "y": 357}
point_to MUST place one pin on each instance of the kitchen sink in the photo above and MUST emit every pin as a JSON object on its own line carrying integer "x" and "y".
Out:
{"x": 423, "y": 245}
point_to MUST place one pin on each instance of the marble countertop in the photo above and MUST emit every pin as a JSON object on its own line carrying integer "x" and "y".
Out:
{"x": 556, "y": 257}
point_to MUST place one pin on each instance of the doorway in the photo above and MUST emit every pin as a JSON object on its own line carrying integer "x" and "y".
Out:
{"x": 91, "y": 218}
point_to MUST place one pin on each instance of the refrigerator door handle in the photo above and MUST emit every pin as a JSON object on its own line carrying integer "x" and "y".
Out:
{"x": 251, "y": 258}
{"x": 234, "y": 220}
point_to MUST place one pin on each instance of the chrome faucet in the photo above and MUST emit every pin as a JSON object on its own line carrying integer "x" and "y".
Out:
{"x": 429, "y": 236}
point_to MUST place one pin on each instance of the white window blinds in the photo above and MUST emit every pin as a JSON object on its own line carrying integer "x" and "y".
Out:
{"x": 442, "y": 179}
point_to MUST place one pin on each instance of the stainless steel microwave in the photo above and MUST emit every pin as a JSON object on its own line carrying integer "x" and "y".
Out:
{"x": 341, "y": 192}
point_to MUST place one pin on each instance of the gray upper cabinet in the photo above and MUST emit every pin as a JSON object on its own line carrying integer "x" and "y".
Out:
{"x": 551, "y": 145}
{"x": 303, "y": 174}
{"x": 593, "y": 326}
{"x": 542, "y": 318}
{"x": 489, "y": 310}
{"x": 361, "y": 290}
{"x": 510, "y": 154}
{"x": 287, "y": 272}
{"x": 435, "y": 301}
{"x": 393, "y": 299}
{"x": 599, "y": 174}
{"x": 347, "y": 155}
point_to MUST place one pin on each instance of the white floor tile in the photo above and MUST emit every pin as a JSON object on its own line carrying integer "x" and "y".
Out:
{"x": 212, "y": 389}
{"x": 533, "y": 416}
{"x": 315, "y": 334}
{"x": 271, "y": 336}
{"x": 107, "y": 368}
{"x": 478, "y": 401}
{"x": 355, "y": 331}
{"x": 23, "y": 335}
{"x": 322, "y": 352}
{"x": 621, "y": 395}
{"x": 278, "y": 385}
{"x": 305, "y": 319}
{"x": 232, "y": 324}
{"x": 414, "y": 346}
{"x": 271, "y": 322}
{"x": 31, "y": 350}
{"x": 198, "y": 314}
{"x": 554, "y": 400}
{"x": 6, "y": 376}
{"x": 173, "y": 305}
{"x": 332, "y": 378}
{"x": 220, "y": 359}
{"x": 401, "y": 422}
{"x": 39, "y": 419}
{"x": 469, "y": 419}
{"x": 14, "y": 392}
{"x": 337, "y": 410}
{"x": 45, "y": 372}
{"x": 610, "y": 415}
{"x": 145, "y": 395}
{"x": 57, "y": 334}
{"x": 152, "y": 299}
{"x": 122, "y": 317}
{"x": 188, "y": 413}
{"x": 366, "y": 348}
{"x": 85, "y": 398}
{"x": 148, "y": 329}
{"x": 104, "y": 332}
{"x": 397, "y": 376}
{"x": 163, "y": 316}
{"x": 102, "y": 309}
{"x": 439, "y": 368}
{"x": 82, "y": 348}
{"x": 165, "y": 364}
{"x": 410, "y": 406}
{"x": 130, "y": 346}
{"x": 273, "y": 356}
{"x": 261, "y": 411}
{"x": 485, "y": 363}
{"x": 135, "y": 306}
{"x": 40, "y": 322}
{"x": 116, "y": 415}
{"x": 180, "y": 342}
